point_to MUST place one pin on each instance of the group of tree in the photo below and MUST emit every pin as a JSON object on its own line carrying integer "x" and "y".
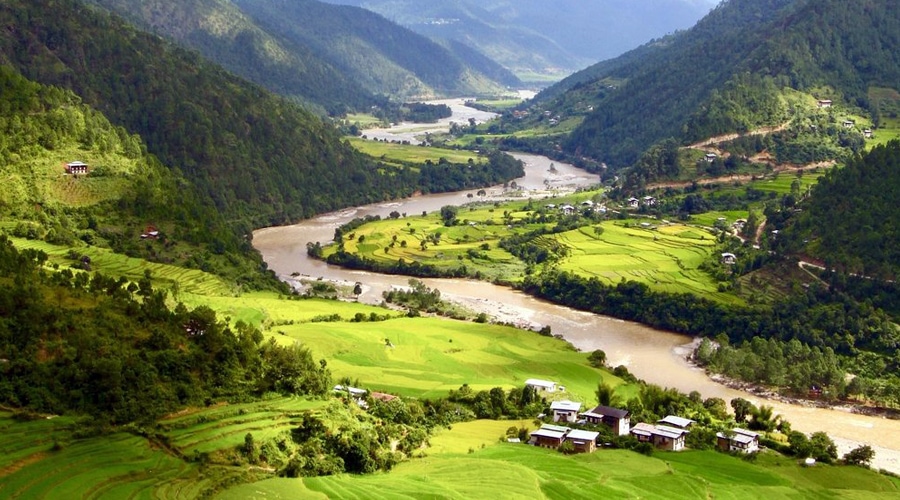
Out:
{"x": 81, "y": 343}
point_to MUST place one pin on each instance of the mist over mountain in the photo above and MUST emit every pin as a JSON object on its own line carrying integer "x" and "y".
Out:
{"x": 538, "y": 36}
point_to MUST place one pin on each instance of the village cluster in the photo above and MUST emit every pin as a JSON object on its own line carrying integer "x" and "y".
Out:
{"x": 666, "y": 434}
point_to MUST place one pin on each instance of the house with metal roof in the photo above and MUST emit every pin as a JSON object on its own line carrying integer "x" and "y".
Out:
{"x": 565, "y": 411}
{"x": 541, "y": 385}
{"x": 676, "y": 421}
{"x": 740, "y": 440}
{"x": 583, "y": 441}
{"x": 660, "y": 436}
{"x": 618, "y": 420}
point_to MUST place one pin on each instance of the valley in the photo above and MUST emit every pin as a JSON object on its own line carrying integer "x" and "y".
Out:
{"x": 270, "y": 249}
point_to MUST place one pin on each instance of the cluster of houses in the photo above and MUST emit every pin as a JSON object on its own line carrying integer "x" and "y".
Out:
{"x": 668, "y": 433}
{"x": 568, "y": 209}
{"x": 646, "y": 201}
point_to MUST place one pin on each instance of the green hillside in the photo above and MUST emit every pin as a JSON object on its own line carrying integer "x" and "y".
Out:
{"x": 724, "y": 75}
{"x": 221, "y": 32}
{"x": 380, "y": 55}
{"x": 260, "y": 158}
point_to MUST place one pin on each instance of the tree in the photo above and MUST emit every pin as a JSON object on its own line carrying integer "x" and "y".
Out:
{"x": 597, "y": 359}
{"x": 606, "y": 395}
{"x": 742, "y": 409}
{"x": 357, "y": 289}
{"x": 448, "y": 214}
{"x": 861, "y": 455}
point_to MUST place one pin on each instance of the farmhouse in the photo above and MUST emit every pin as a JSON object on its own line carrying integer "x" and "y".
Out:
{"x": 848, "y": 123}
{"x": 552, "y": 436}
{"x": 150, "y": 232}
{"x": 76, "y": 167}
{"x": 618, "y": 420}
{"x": 541, "y": 385}
{"x": 567, "y": 209}
{"x": 633, "y": 202}
{"x": 824, "y": 103}
{"x": 548, "y": 436}
{"x": 675, "y": 421}
{"x": 564, "y": 411}
{"x": 729, "y": 258}
{"x": 740, "y": 440}
{"x": 660, "y": 436}
{"x": 583, "y": 441}
{"x": 867, "y": 133}
{"x": 649, "y": 201}
{"x": 710, "y": 157}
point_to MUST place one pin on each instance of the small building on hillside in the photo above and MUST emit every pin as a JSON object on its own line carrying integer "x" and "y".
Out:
{"x": 660, "y": 436}
{"x": 867, "y": 133}
{"x": 848, "y": 123}
{"x": 541, "y": 385}
{"x": 552, "y": 436}
{"x": 77, "y": 167}
{"x": 565, "y": 411}
{"x": 824, "y": 103}
{"x": 618, "y": 420}
{"x": 649, "y": 201}
{"x": 583, "y": 441}
{"x": 548, "y": 436}
{"x": 633, "y": 202}
{"x": 729, "y": 259}
{"x": 676, "y": 421}
{"x": 710, "y": 157}
{"x": 740, "y": 440}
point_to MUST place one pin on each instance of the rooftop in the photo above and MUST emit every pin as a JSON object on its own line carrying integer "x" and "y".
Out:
{"x": 676, "y": 421}
{"x": 565, "y": 406}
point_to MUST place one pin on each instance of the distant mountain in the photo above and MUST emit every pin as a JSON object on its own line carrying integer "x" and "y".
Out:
{"x": 539, "y": 36}
{"x": 382, "y": 56}
{"x": 221, "y": 32}
{"x": 259, "y": 158}
{"x": 725, "y": 74}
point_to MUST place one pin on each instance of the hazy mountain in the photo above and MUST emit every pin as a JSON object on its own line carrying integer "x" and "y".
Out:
{"x": 707, "y": 80}
{"x": 541, "y": 36}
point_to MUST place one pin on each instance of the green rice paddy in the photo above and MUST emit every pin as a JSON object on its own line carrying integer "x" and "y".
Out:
{"x": 504, "y": 470}
{"x": 411, "y": 154}
{"x": 430, "y": 356}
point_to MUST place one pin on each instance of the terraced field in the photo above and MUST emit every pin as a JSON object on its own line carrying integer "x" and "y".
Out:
{"x": 411, "y": 154}
{"x": 665, "y": 257}
{"x": 114, "y": 264}
{"x": 430, "y": 356}
{"x": 224, "y": 426}
{"x": 503, "y": 470}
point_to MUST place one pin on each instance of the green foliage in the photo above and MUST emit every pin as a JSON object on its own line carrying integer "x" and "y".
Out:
{"x": 87, "y": 344}
{"x": 861, "y": 455}
{"x": 725, "y": 74}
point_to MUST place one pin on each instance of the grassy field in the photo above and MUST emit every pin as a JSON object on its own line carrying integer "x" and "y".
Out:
{"x": 221, "y": 427}
{"x": 411, "y": 154}
{"x": 431, "y": 356}
{"x": 665, "y": 257}
{"x": 502, "y": 470}
{"x": 114, "y": 264}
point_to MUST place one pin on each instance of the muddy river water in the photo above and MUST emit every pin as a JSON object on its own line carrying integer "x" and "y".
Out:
{"x": 653, "y": 355}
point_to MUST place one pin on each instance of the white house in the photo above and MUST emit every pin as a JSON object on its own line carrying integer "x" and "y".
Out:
{"x": 825, "y": 103}
{"x": 740, "y": 440}
{"x": 541, "y": 385}
{"x": 676, "y": 421}
{"x": 633, "y": 202}
{"x": 660, "y": 436}
{"x": 710, "y": 157}
{"x": 565, "y": 411}
{"x": 76, "y": 167}
{"x": 729, "y": 258}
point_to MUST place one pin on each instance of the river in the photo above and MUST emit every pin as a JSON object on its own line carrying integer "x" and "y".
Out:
{"x": 653, "y": 355}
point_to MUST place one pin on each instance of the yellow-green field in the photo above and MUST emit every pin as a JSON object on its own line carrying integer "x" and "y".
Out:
{"x": 666, "y": 257}
{"x": 504, "y": 470}
{"x": 431, "y": 356}
{"x": 411, "y": 154}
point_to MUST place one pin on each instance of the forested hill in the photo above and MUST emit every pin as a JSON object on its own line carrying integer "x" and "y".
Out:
{"x": 384, "y": 57}
{"x": 713, "y": 78}
{"x": 222, "y": 33}
{"x": 852, "y": 222}
{"x": 261, "y": 159}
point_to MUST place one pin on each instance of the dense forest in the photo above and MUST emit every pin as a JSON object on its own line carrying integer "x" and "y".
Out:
{"x": 110, "y": 348}
{"x": 852, "y": 223}
{"x": 222, "y": 33}
{"x": 722, "y": 75}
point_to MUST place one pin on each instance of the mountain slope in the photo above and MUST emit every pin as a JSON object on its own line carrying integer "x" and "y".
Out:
{"x": 221, "y": 32}
{"x": 830, "y": 48}
{"x": 546, "y": 37}
{"x": 261, "y": 159}
{"x": 381, "y": 55}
